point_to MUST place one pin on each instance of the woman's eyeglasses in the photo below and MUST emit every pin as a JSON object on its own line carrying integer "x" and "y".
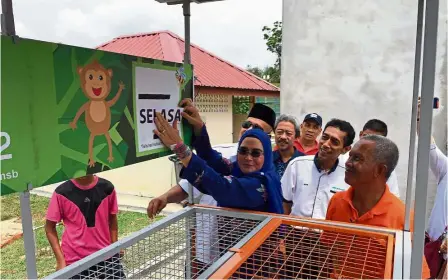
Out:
{"x": 249, "y": 124}
{"x": 255, "y": 153}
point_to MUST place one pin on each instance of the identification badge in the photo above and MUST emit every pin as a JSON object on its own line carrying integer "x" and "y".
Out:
{"x": 336, "y": 189}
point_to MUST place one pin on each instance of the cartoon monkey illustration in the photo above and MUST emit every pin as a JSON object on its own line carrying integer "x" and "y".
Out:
{"x": 95, "y": 82}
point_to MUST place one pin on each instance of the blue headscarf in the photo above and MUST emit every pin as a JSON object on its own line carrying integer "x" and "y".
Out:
{"x": 267, "y": 172}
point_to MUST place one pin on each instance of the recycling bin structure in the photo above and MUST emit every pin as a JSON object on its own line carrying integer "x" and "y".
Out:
{"x": 211, "y": 242}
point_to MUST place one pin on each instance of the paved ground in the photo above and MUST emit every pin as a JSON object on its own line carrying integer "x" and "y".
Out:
{"x": 10, "y": 228}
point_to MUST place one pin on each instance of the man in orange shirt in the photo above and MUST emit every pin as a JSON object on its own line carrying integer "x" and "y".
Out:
{"x": 310, "y": 129}
{"x": 368, "y": 201}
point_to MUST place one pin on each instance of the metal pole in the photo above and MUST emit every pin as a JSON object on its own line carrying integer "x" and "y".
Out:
{"x": 187, "y": 60}
{"x": 421, "y": 190}
{"x": 7, "y": 18}
{"x": 8, "y": 28}
{"x": 413, "y": 132}
{"x": 186, "y": 8}
{"x": 28, "y": 233}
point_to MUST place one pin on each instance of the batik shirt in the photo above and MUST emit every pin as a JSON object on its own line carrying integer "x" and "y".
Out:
{"x": 280, "y": 166}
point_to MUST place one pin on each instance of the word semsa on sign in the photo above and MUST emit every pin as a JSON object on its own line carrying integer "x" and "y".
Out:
{"x": 148, "y": 115}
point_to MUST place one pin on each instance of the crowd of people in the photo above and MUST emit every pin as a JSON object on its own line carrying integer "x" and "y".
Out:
{"x": 320, "y": 172}
{"x": 315, "y": 170}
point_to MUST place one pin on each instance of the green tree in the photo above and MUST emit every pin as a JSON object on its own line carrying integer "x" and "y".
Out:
{"x": 273, "y": 38}
{"x": 272, "y": 74}
{"x": 257, "y": 71}
{"x": 269, "y": 73}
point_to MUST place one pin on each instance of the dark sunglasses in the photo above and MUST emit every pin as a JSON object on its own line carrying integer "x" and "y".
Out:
{"x": 255, "y": 153}
{"x": 249, "y": 124}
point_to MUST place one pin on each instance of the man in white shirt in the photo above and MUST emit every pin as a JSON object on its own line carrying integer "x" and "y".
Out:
{"x": 438, "y": 163}
{"x": 378, "y": 127}
{"x": 309, "y": 182}
{"x": 260, "y": 117}
{"x": 438, "y": 220}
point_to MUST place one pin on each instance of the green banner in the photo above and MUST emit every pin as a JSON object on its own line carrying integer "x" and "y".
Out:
{"x": 68, "y": 111}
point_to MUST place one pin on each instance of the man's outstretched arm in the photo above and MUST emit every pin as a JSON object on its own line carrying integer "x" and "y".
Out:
{"x": 174, "y": 195}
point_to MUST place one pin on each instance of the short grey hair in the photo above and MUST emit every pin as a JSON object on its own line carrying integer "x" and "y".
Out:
{"x": 288, "y": 118}
{"x": 386, "y": 152}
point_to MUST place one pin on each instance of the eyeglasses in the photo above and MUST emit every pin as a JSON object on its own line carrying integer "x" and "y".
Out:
{"x": 255, "y": 153}
{"x": 249, "y": 124}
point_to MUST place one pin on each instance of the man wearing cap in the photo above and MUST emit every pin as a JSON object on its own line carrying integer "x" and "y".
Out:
{"x": 310, "y": 129}
{"x": 260, "y": 117}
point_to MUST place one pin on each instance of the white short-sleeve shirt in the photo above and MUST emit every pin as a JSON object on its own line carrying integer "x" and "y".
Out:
{"x": 438, "y": 163}
{"x": 229, "y": 152}
{"x": 206, "y": 226}
{"x": 310, "y": 189}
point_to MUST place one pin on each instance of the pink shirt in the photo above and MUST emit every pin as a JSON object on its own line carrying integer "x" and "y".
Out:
{"x": 85, "y": 211}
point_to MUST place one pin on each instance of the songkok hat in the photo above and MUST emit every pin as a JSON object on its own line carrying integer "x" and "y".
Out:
{"x": 264, "y": 113}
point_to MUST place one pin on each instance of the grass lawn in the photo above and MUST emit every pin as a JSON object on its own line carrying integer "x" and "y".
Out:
{"x": 12, "y": 265}
{"x": 10, "y": 208}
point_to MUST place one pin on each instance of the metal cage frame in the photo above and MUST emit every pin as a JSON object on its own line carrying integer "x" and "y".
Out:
{"x": 237, "y": 252}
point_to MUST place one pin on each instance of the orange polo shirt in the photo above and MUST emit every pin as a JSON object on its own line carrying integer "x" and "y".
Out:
{"x": 389, "y": 212}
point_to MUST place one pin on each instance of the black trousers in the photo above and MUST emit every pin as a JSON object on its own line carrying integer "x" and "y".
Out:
{"x": 109, "y": 269}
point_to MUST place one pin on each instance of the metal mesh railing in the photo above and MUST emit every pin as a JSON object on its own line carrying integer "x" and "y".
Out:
{"x": 183, "y": 247}
{"x": 214, "y": 235}
{"x": 292, "y": 252}
{"x": 203, "y": 242}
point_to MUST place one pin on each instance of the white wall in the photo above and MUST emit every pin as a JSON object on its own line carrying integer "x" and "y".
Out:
{"x": 354, "y": 60}
{"x": 216, "y": 111}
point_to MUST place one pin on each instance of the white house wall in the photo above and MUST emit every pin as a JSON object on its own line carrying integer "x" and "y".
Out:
{"x": 216, "y": 111}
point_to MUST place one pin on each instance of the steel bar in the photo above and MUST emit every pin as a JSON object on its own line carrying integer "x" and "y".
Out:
{"x": 398, "y": 257}
{"x": 8, "y": 25}
{"x": 261, "y": 216}
{"x": 424, "y": 140}
{"x": 413, "y": 132}
{"x": 407, "y": 251}
{"x": 28, "y": 233}
{"x": 187, "y": 60}
{"x": 187, "y": 14}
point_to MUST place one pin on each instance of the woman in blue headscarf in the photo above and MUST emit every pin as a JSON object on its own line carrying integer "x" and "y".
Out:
{"x": 250, "y": 183}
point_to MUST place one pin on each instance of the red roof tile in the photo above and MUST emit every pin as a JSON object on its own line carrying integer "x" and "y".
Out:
{"x": 210, "y": 70}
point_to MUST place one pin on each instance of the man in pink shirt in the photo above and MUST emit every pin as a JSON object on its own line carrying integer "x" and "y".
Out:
{"x": 88, "y": 208}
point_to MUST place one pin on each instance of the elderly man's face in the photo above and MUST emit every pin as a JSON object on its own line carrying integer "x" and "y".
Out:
{"x": 360, "y": 168}
{"x": 284, "y": 135}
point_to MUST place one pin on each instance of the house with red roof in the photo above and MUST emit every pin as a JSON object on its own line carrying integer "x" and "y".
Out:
{"x": 218, "y": 83}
